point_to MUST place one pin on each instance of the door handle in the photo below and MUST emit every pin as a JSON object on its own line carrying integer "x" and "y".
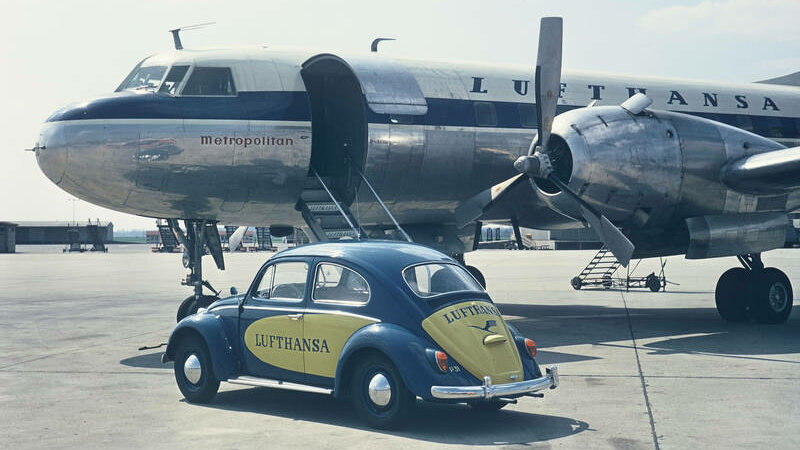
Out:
{"x": 295, "y": 316}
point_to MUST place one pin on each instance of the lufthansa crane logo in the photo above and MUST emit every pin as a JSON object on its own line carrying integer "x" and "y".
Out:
{"x": 489, "y": 324}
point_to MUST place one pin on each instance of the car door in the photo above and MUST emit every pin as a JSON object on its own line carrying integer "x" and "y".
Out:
{"x": 271, "y": 322}
{"x": 339, "y": 298}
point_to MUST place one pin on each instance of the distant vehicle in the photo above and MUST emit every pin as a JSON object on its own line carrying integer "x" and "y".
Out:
{"x": 378, "y": 322}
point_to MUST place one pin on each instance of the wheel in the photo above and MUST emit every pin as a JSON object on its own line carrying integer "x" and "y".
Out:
{"x": 477, "y": 274}
{"x": 653, "y": 282}
{"x": 193, "y": 371}
{"x": 607, "y": 283}
{"x": 731, "y": 294}
{"x": 189, "y": 306}
{"x": 489, "y": 406}
{"x": 772, "y": 296}
{"x": 576, "y": 283}
{"x": 380, "y": 397}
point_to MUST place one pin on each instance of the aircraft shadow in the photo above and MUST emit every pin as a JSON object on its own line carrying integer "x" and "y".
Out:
{"x": 439, "y": 423}
{"x": 564, "y": 325}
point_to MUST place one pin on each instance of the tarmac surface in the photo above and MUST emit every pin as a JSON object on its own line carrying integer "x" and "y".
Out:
{"x": 639, "y": 370}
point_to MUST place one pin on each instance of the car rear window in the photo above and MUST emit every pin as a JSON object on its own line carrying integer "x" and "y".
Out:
{"x": 428, "y": 280}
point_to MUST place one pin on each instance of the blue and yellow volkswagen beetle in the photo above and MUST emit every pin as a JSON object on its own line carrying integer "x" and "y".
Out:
{"x": 378, "y": 322}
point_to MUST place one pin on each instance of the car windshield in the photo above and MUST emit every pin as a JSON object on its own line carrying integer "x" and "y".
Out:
{"x": 148, "y": 77}
{"x": 427, "y": 280}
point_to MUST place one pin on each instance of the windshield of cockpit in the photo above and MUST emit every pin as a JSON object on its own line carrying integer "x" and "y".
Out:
{"x": 143, "y": 77}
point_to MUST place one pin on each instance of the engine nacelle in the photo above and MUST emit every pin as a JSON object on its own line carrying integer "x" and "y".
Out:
{"x": 646, "y": 170}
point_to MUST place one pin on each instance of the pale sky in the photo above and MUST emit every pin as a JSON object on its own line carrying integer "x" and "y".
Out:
{"x": 57, "y": 52}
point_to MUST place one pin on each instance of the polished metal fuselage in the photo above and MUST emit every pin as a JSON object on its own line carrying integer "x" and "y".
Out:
{"x": 172, "y": 166}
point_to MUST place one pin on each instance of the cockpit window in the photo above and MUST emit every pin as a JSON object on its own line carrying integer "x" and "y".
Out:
{"x": 174, "y": 78}
{"x": 210, "y": 81}
{"x": 148, "y": 77}
{"x": 427, "y": 280}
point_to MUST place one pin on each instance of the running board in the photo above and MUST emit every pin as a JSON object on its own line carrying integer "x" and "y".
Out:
{"x": 275, "y": 384}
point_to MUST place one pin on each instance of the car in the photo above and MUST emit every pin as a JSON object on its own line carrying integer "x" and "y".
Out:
{"x": 380, "y": 323}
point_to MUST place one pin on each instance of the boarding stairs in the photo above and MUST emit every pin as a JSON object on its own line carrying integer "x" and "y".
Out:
{"x": 264, "y": 238}
{"x": 96, "y": 238}
{"x": 168, "y": 240}
{"x": 328, "y": 218}
{"x": 599, "y": 271}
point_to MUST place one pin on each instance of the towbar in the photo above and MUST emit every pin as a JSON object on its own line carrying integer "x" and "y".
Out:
{"x": 489, "y": 390}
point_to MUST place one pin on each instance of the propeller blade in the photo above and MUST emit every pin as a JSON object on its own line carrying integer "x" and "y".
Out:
{"x": 474, "y": 207}
{"x": 548, "y": 75}
{"x": 614, "y": 240}
{"x": 236, "y": 238}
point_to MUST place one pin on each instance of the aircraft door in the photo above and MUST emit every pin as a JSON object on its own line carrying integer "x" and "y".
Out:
{"x": 345, "y": 94}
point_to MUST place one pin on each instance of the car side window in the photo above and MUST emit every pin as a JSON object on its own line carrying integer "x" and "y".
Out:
{"x": 289, "y": 281}
{"x": 265, "y": 285}
{"x": 338, "y": 284}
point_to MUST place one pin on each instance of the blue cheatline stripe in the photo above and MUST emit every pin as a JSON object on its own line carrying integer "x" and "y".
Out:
{"x": 294, "y": 106}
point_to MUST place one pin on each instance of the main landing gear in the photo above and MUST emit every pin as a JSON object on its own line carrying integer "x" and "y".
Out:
{"x": 199, "y": 236}
{"x": 754, "y": 291}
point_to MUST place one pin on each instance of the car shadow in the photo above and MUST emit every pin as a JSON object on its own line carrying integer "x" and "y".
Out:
{"x": 147, "y": 361}
{"x": 439, "y": 423}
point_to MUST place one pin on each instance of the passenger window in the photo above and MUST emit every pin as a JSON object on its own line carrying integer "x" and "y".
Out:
{"x": 210, "y": 81}
{"x": 289, "y": 281}
{"x": 527, "y": 115}
{"x": 485, "y": 114}
{"x": 337, "y": 284}
{"x": 174, "y": 78}
{"x": 744, "y": 123}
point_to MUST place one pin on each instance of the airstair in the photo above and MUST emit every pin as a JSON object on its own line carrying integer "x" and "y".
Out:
{"x": 328, "y": 218}
{"x": 168, "y": 240}
{"x": 264, "y": 238}
{"x": 96, "y": 238}
{"x": 599, "y": 271}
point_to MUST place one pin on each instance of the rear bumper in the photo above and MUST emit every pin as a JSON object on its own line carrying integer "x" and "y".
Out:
{"x": 489, "y": 390}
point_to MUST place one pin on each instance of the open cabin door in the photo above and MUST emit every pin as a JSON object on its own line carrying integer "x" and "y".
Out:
{"x": 343, "y": 93}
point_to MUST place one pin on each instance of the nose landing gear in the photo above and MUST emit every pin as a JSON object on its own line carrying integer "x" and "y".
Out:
{"x": 200, "y": 235}
{"x": 754, "y": 291}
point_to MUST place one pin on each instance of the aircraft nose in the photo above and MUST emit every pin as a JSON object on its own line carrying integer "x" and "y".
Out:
{"x": 51, "y": 151}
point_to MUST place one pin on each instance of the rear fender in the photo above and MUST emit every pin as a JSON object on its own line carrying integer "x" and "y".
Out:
{"x": 406, "y": 351}
{"x": 210, "y": 329}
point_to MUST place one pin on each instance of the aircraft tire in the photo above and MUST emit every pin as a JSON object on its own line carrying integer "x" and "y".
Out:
{"x": 189, "y": 306}
{"x": 731, "y": 294}
{"x": 576, "y": 283}
{"x": 477, "y": 274}
{"x": 772, "y": 296}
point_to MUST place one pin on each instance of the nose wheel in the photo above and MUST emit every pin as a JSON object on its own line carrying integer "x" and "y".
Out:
{"x": 200, "y": 234}
{"x": 754, "y": 292}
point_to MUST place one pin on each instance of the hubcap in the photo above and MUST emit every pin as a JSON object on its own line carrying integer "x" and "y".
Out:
{"x": 380, "y": 391}
{"x": 192, "y": 369}
{"x": 778, "y": 297}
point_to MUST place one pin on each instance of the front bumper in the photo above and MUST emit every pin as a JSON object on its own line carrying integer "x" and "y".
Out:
{"x": 489, "y": 390}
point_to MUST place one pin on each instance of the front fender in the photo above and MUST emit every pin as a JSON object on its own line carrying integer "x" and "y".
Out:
{"x": 407, "y": 352}
{"x": 208, "y": 327}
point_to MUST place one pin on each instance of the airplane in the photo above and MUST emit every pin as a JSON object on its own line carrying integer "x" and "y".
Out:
{"x": 364, "y": 146}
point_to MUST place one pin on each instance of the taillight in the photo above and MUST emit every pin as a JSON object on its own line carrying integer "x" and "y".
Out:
{"x": 531, "y": 347}
{"x": 441, "y": 361}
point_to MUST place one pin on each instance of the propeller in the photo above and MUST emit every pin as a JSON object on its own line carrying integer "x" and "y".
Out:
{"x": 537, "y": 164}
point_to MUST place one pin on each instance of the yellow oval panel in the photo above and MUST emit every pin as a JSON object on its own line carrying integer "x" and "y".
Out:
{"x": 462, "y": 331}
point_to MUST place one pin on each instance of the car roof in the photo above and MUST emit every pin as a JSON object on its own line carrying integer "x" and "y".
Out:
{"x": 372, "y": 254}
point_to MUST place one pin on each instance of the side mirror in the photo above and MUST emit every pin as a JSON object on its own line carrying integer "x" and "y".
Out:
{"x": 234, "y": 291}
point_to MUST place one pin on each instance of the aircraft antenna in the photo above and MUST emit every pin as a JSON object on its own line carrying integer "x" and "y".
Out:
{"x": 176, "y": 37}
{"x": 374, "y": 47}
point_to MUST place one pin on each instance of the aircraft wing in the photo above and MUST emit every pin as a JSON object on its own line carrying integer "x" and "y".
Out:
{"x": 512, "y": 198}
{"x": 774, "y": 172}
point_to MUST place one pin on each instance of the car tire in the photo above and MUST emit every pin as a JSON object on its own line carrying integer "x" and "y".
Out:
{"x": 485, "y": 407}
{"x": 772, "y": 296}
{"x": 372, "y": 376}
{"x": 731, "y": 294}
{"x": 193, "y": 371}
